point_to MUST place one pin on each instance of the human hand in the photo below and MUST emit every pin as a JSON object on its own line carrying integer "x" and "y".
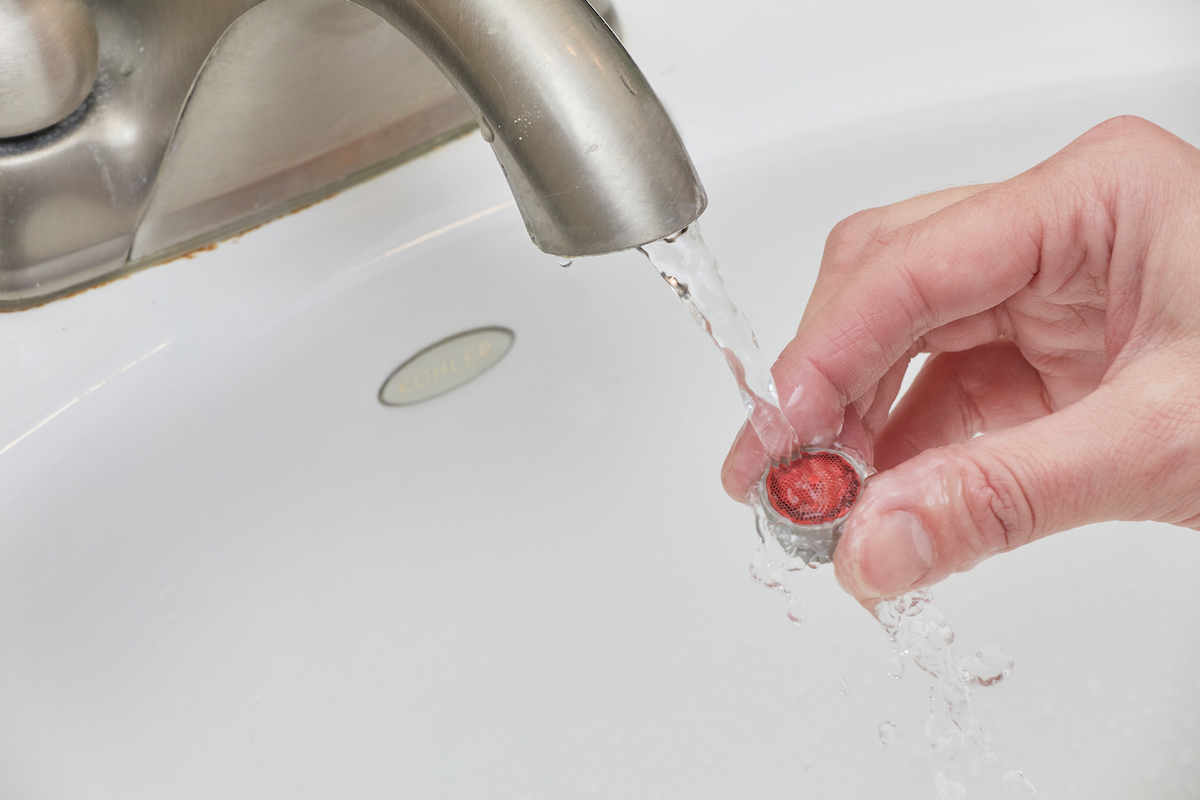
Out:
{"x": 1062, "y": 309}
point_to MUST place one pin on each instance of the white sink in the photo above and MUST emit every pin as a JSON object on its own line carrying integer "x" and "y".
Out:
{"x": 228, "y": 571}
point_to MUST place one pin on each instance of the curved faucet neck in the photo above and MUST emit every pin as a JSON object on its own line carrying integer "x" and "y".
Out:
{"x": 592, "y": 158}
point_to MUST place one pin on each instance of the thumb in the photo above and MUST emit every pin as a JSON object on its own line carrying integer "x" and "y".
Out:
{"x": 1119, "y": 453}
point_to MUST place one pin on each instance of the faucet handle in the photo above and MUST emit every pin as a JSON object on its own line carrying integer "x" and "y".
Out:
{"x": 49, "y": 51}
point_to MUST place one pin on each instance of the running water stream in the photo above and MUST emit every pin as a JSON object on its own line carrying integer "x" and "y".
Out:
{"x": 917, "y": 629}
{"x": 690, "y": 268}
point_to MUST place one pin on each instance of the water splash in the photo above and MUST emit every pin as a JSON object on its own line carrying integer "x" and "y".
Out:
{"x": 920, "y": 634}
{"x": 775, "y": 568}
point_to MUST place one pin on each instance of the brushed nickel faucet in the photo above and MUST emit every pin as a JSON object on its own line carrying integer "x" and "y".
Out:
{"x": 193, "y": 121}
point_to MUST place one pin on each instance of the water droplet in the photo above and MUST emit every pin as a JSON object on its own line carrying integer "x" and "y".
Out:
{"x": 566, "y": 262}
{"x": 989, "y": 666}
{"x": 888, "y": 733}
{"x": 844, "y": 687}
{"x": 1015, "y": 782}
{"x": 895, "y": 667}
{"x": 795, "y": 609}
{"x": 489, "y": 135}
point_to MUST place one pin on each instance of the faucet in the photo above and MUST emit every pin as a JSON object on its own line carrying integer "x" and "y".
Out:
{"x": 207, "y": 118}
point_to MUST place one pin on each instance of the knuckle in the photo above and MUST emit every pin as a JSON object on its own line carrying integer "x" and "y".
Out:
{"x": 855, "y": 234}
{"x": 1119, "y": 130}
{"x": 1126, "y": 147}
{"x": 914, "y": 295}
{"x": 1138, "y": 172}
{"x": 1000, "y": 515}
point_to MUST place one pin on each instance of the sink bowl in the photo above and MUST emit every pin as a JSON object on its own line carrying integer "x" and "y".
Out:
{"x": 228, "y": 570}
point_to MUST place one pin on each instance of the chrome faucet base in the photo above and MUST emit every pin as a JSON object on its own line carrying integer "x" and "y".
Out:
{"x": 270, "y": 126}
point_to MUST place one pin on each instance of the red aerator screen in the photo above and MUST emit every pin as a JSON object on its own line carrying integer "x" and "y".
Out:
{"x": 814, "y": 488}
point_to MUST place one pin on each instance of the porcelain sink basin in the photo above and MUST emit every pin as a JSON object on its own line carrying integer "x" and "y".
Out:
{"x": 227, "y": 570}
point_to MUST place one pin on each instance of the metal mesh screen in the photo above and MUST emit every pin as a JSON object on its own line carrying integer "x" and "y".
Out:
{"x": 814, "y": 488}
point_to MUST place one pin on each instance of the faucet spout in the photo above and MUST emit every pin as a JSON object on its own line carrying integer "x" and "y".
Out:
{"x": 593, "y": 160}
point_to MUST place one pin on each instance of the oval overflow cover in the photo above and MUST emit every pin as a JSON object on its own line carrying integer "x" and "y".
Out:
{"x": 446, "y": 365}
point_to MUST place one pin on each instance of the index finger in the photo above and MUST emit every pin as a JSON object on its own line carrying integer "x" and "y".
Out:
{"x": 855, "y": 235}
{"x": 958, "y": 262}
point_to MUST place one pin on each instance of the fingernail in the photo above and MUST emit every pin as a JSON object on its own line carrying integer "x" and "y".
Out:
{"x": 801, "y": 415}
{"x": 894, "y": 553}
{"x": 794, "y": 403}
